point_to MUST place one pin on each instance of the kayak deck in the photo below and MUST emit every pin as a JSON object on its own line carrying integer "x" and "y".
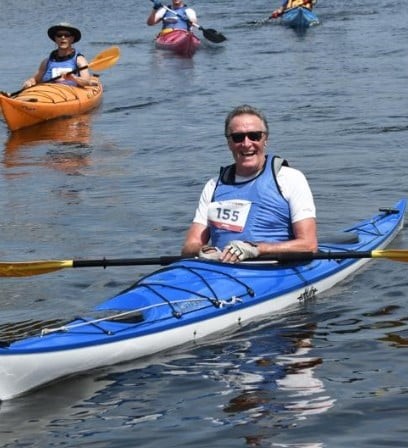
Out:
{"x": 299, "y": 18}
{"x": 181, "y": 42}
{"x": 48, "y": 101}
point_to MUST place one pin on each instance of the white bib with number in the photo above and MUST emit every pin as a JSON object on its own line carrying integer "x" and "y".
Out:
{"x": 230, "y": 215}
{"x": 60, "y": 71}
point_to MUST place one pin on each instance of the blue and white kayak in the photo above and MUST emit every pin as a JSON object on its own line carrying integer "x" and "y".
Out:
{"x": 183, "y": 302}
{"x": 299, "y": 18}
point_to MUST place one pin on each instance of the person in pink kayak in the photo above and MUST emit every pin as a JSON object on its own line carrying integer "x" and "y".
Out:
{"x": 177, "y": 17}
{"x": 256, "y": 206}
{"x": 64, "y": 60}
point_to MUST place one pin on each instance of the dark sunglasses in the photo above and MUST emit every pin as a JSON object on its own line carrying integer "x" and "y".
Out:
{"x": 239, "y": 137}
{"x": 63, "y": 34}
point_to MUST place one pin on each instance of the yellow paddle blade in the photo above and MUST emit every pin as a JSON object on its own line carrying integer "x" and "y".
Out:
{"x": 392, "y": 254}
{"x": 105, "y": 59}
{"x": 25, "y": 269}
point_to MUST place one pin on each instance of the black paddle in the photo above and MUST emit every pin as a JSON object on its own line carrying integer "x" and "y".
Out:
{"x": 209, "y": 33}
{"x": 28, "y": 268}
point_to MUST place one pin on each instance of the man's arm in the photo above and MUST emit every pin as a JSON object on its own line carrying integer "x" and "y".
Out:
{"x": 197, "y": 236}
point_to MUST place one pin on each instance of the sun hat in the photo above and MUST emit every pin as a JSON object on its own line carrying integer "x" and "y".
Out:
{"x": 63, "y": 26}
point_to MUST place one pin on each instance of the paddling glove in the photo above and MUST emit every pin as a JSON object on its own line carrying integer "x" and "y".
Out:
{"x": 157, "y": 5}
{"x": 243, "y": 249}
{"x": 210, "y": 253}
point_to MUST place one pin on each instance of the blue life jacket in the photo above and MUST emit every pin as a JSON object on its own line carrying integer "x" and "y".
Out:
{"x": 269, "y": 216}
{"x": 177, "y": 20}
{"x": 57, "y": 65}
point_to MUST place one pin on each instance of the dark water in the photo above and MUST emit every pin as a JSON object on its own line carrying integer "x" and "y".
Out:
{"x": 124, "y": 182}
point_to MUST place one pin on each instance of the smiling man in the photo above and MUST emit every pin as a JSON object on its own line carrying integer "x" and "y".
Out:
{"x": 257, "y": 206}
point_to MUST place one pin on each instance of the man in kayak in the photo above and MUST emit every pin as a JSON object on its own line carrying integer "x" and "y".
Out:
{"x": 178, "y": 17}
{"x": 63, "y": 61}
{"x": 256, "y": 207}
{"x": 289, "y": 4}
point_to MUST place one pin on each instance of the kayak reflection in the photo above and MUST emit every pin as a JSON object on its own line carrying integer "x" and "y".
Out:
{"x": 75, "y": 130}
{"x": 69, "y": 138}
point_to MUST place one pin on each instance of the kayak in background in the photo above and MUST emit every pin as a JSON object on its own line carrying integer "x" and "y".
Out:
{"x": 47, "y": 101}
{"x": 299, "y": 18}
{"x": 181, "y": 42}
{"x": 184, "y": 302}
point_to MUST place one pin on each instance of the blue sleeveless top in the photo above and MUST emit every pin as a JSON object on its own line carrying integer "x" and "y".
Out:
{"x": 56, "y": 66}
{"x": 175, "y": 20}
{"x": 269, "y": 215}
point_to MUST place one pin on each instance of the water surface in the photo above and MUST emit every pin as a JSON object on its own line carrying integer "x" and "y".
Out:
{"x": 124, "y": 181}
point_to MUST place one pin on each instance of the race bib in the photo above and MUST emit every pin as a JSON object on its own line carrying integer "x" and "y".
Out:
{"x": 229, "y": 215}
{"x": 59, "y": 71}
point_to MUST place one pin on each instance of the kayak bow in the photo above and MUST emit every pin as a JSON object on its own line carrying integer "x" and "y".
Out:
{"x": 299, "y": 18}
{"x": 181, "y": 42}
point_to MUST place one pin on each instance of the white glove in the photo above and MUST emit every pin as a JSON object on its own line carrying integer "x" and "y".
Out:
{"x": 242, "y": 249}
{"x": 210, "y": 253}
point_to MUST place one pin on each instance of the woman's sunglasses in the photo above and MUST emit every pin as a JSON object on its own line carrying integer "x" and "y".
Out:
{"x": 63, "y": 34}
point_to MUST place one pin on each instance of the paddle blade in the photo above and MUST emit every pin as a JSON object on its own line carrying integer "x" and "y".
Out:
{"x": 25, "y": 269}
{"x": 213, "y": 35}
{"x": 392, "y": 254}
{"x": 105, "y": 59}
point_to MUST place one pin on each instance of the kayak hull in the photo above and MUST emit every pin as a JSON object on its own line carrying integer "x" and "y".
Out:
{"x": 181, "y": 42}
{"x": 299, "y": 18}
{"x": 180, "y": 304}
{"x": 48, "y": 101}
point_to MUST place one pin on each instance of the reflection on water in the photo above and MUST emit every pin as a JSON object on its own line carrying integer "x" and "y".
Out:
{"x": 68, "y": 137}
{"x": 72, "y": 130}
{"x": 276, "y": 389}
{"x": 303, "y": 387}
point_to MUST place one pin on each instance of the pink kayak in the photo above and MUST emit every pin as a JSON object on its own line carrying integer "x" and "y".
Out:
{"x": 181, "y": 42}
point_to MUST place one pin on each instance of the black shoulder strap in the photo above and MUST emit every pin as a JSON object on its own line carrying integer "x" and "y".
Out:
{"x": 227, "y": 174}
{"x": 277, "y": 163}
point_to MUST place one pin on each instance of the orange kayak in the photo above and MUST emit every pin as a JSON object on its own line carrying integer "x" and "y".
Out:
{"x": 48, "y": 101}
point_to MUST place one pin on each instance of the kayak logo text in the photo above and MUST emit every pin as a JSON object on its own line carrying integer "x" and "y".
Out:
{"x": 308, "y": 293}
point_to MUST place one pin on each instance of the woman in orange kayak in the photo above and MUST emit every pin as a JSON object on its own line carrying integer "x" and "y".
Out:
{"x": 63, "y": 61}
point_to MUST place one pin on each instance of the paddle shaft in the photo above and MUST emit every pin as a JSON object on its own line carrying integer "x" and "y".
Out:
{"x": 286, "y": 257}
{"x": 28, "y": 268}
{"x": 106, "y": 262}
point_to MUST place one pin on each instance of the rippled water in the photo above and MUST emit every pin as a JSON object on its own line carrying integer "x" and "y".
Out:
{"x": 123, "y": 182}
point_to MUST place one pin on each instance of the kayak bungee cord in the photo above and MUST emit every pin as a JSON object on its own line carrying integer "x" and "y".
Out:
{"x": 172, "y": 304}
{"x": 65, "y": 328}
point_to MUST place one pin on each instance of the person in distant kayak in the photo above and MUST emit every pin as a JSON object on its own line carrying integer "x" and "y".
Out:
{"x": 288, "y": 4}
{"x": 63, "y": 60}
{"x": 177, "y": 17}
{"x": 257, "y": 206}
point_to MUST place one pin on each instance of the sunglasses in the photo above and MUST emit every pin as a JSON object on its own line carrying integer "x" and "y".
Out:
{"x": 63, "y": 34}
{"x": 239, "y": 137}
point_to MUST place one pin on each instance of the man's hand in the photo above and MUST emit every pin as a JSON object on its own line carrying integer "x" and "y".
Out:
{"x": 237, "y": 250}
{"x": 210, "y": 253}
